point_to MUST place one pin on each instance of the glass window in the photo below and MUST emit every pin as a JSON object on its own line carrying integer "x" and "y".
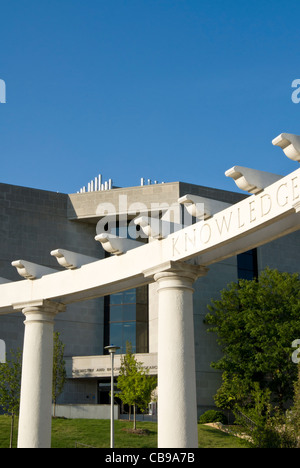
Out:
{"x": 116, "y": 332}
{"x": 129, "y": 312}
{"x": 141, "y": 337}
{"x": 247, "y": 265}
{"x": 129, "y": 335}
{"x": 116, "y": 313}
{"x": 129, "y": 297}
{"x": 126, "y": 320}
{"x": 125, "y": 297}
{"x": 126, "y": 312}
{"x": 116, "y": 299}
{"x": 121, "y": 333}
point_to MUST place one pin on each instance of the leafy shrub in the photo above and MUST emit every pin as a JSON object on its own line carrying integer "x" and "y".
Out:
{"x": 212, "y": 416}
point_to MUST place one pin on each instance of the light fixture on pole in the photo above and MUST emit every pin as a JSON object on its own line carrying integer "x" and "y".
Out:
{"x": 112, "y": 350}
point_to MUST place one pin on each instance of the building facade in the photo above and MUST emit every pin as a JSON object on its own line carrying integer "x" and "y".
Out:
{"x": 33, "y": 223}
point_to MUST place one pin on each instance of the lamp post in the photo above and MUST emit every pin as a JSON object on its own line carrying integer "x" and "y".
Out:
{"x": 112, "y": 349}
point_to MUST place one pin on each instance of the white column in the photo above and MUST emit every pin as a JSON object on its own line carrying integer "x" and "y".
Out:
{"x": 177, "y": 402}
{"x": 36, "y": 385}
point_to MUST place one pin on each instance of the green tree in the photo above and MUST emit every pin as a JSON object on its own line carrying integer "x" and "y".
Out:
{"x": 256, "y": 323}
{"x": 10, "y": 380}
{"x": 134, "y": 383}
{"x": 59, "y": 368}
{"x": 10, "y": 387}
{"x": 294, "y": 414}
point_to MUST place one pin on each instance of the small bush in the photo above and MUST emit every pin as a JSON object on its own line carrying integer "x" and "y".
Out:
{"x": 212, "y": 416}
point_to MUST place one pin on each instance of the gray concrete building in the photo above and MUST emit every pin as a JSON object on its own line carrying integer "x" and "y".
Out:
{"x": 34, "y": 222}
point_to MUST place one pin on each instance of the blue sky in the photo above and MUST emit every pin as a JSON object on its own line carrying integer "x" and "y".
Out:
{"x": 162, "y": 89}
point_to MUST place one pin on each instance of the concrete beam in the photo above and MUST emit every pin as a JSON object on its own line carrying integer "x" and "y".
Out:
{"x": 71, "y": 260}
{"x": 200, "y": 207}
{"x": 156, "y": 228}
{"x": 290, "y": 144}
{"x": 252, "y": 222}
{"x": 30, "y": 270}
{"x": 116, "y": 245}
{"x": 251, "y": 180}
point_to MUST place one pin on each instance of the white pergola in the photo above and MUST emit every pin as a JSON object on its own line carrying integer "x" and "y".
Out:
{"x": 174, "y": 261}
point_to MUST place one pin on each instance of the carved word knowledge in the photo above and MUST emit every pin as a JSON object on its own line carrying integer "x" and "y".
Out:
{"x": 277, "y": 200}
{"x": 187, "y": 239}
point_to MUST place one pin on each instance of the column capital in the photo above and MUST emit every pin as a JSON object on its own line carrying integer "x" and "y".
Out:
{"x": 43, "y": 307}
{"x": 179, "y": 269}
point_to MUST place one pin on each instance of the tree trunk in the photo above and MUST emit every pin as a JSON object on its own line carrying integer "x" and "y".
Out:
{"x": 134, "y": 418}
{"x": 12, "y": 430}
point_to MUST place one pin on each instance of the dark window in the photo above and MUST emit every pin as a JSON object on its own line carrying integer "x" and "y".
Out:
{"x": 247, "y": 265}
{"x": 126, "y": 320}
{"x": 126, "y": 313}
{"x": 104, "y": 388}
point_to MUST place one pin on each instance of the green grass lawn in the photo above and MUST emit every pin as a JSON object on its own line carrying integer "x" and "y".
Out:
{"x": 66, "y": 433}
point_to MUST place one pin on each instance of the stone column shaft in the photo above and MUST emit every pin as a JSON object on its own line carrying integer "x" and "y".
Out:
{"x": 177, "y": 404}
{"x": 36, "y": 385}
